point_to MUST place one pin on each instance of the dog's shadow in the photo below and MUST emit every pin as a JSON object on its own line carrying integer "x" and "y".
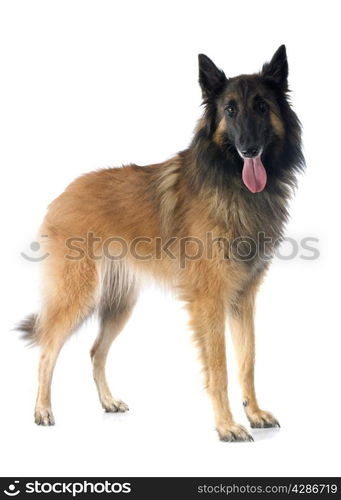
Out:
{"x": 119, "y": 416}
{"x": 265, "y": 433}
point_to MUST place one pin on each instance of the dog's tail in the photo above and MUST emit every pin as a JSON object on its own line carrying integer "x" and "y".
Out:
{"x": 29, "y": 326}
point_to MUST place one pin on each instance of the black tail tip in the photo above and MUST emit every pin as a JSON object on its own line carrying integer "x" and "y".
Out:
{"x": 28, "y": 327}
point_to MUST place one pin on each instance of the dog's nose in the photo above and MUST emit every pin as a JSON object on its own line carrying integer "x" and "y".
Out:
{"x": 250, "y": 152}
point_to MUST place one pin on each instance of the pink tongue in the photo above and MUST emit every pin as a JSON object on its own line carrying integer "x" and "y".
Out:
{"x": 254, "y": 174}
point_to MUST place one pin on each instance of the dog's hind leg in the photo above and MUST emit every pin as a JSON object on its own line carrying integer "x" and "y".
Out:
{"x": 50, "y": 350}
{"x": 242, "y": 325}
{"x": 55, "y": 326}
{"x": 113, "y": 318}
{"x": 68, "y": 301}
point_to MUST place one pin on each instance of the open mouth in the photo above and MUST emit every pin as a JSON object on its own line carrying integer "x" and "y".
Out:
{"x": 254, "y": 173}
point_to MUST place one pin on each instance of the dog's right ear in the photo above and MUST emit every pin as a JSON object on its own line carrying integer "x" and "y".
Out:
{"x": 212, "y": 79}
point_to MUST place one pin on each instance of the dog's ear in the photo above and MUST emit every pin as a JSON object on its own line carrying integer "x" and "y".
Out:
{"x": 277, "y": 69}
{"x": 212, "y": 79}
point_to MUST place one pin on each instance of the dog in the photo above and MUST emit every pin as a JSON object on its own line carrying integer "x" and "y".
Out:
{"x": 205, "y": 223}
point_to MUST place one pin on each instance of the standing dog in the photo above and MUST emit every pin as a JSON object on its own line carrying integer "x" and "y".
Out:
{"x": 206, "y": 222}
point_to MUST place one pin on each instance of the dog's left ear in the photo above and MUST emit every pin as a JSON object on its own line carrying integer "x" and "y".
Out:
{"x": 212, "y": 79}
{"x": 277, "y": 69}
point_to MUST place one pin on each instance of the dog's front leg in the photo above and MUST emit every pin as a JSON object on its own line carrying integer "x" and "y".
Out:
{"x": 208, "y": 322}
{"x": 243, "y": 334}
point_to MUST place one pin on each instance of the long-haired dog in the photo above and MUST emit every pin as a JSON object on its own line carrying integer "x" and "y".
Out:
{"x": 206, "y": 222}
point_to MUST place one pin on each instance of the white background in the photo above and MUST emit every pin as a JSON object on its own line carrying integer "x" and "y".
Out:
{"x": 88, "y": 84}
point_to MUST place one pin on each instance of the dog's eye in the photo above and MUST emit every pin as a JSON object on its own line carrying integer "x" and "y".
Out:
{"x": 261, "y": 106}
{"x": 230, "y": 110}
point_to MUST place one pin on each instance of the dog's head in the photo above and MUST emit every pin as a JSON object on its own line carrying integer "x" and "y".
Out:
{"x": 246, "y": 115}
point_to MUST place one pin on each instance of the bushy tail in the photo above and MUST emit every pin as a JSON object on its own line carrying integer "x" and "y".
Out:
{"x": 29, "y": 327}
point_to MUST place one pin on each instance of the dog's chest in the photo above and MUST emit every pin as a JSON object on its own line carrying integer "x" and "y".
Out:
{"x": 254, "y": 227}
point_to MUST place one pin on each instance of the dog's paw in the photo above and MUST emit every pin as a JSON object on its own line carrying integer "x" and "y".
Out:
{"x": 262, "y": 419}
{"x": 233, "y": 432}
{"x": 112, "y": 405}
{"x": 43, "y": 416}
